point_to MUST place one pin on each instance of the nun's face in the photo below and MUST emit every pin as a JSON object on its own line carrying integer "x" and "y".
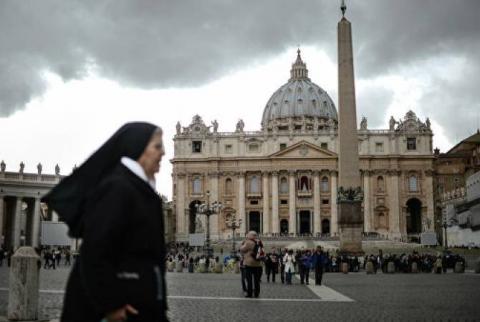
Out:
{"x": 152, "y": 155}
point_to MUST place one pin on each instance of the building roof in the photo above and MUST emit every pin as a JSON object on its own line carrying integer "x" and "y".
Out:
{"x": 299, "y": 97}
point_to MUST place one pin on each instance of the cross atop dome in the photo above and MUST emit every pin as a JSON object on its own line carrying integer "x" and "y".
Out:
{"x": 299, "y": 69}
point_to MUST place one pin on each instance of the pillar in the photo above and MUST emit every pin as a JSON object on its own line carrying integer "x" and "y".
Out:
{"x": 17, "y": 223}
{"x": 316, "y": 203}
{"x": 241, "y": 203}
{"x": 2, "y": 218}
{"x": 292, "y": 210}
{"x": 266, "y": 203}
{"x": 275, "y": 214}
{"x": 367, "y": 213}
{"x": 394, "y": 204}
{"x": 180, "y": 206}
{"x": 429, "y": 196}
{"x": 35, "y": 238}
{"x": 334, "y": 209}
{"x": 214, "y": 219}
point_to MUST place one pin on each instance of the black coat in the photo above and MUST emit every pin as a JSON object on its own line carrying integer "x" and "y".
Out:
{"x": 122, "y": 257}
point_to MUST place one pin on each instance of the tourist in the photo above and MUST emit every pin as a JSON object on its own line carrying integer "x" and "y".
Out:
{"x": 111, "y": 203}
{"x": 304, "y": 267}
{"x": 253, "y": 267}
{"x": 271, "y": 265}
{"x": 281, "y": 254}
{"x": 243, "y": 275}
{"x": 318, "y": 264}
{"x": 289, "y": 261}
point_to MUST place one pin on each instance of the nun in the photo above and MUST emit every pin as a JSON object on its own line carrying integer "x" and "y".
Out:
{"x": 110, "y": 202}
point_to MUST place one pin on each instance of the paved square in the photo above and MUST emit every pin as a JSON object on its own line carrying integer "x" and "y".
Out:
{"x": 351, "y": 297}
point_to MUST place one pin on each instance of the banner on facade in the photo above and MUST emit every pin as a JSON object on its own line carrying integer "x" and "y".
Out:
{"x": 55, "y": 234}
{"x": 196, "y": 239}
{"x": 429, "y": 239}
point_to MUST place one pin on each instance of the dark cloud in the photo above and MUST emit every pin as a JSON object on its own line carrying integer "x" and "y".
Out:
{"x": 372, "y": 102}
{"x": 159, "y": 44}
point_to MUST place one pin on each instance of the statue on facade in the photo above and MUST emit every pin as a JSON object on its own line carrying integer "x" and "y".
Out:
{"x": 291, "y": 127}
{"x": 57, "y": 170}
{"x": 22, "y": 167}
{"x": 240, "y": 126}
{"x": 363, "y": 123}
{"x": 3, "y": 166}
{"x": 215, "y": 126}
{"x": 427, "y": 123}
{"x": 179, "y": 128}
{"x": 392, "y": 123}
{"x": 39, "y": 168}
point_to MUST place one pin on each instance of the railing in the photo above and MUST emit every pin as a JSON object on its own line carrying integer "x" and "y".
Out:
{"x": 30, "y": 177}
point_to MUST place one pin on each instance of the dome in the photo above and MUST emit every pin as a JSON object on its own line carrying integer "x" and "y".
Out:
{"x": 299, "y": 98}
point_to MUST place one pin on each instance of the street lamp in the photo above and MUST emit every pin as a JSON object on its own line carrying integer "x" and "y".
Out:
{"x": 233, "y": 223}
{"x": 208, "y": 209}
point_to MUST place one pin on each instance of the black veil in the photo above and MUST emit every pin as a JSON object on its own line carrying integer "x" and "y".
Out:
{"x": 70, "y": 196}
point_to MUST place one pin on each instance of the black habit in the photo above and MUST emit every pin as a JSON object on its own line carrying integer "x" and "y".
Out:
{"x": 120, "y": 220}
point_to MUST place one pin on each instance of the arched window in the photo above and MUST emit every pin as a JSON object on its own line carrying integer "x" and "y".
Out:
{"x": 228, "y": 186}
{"x": 412, "y": 183}
{"x": 380, "y": 184}
{"x": 304, "y": 184}
{"x": 254, "y": 185}
{"x": 324, "y": 184}
{"x": 197, "y": 185}
{"x": 283, "y": 185}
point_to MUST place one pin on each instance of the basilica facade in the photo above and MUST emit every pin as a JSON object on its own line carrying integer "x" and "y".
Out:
{"x": 282, "y": 179}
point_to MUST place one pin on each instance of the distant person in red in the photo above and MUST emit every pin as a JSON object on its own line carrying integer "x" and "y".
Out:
{"x": 111, "y": 203}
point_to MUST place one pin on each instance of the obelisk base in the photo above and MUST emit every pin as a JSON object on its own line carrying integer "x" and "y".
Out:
{"x": 350, "y": 221}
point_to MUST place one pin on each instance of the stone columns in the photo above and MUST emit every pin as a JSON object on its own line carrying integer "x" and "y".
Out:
{"x": 241, "y": 202}
{"x": 17, "y": 223}
{"x": 334, "y": 209}
{"x": 394, "y": 196}
{"x": 266, "y": 204}
{"x": 292, "y": 210}
{"x": 214, "y": 233}
{"x": 35, "y": 238}
{"x": 180, "y": 205}
{"x": 317, "y": 228}
{"x": 367, "y": 213}
{"x": 2, "y": 217}
{"x": 429, "y": 197}
{"x": 275, "y": 214}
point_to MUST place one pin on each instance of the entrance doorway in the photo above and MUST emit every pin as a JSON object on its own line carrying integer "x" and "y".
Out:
{"x": 284, "y": 226}
{"x": 254, "y": 221}
{"x": 192, "y": 216}
{"x": 325, "y": 226}
{"x": 414, "y": 216}
{"x": 305, "y": 222}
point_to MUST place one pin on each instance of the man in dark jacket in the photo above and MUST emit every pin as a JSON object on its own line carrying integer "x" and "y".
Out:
{"x": 318, "y": 263}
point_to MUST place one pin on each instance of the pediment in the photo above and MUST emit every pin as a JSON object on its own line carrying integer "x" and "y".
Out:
{"x": 304, "y": 150}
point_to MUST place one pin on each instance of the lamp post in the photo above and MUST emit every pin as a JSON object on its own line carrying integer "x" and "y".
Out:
{"x": 208, "y": 209}
{"x": 233, "y": 223}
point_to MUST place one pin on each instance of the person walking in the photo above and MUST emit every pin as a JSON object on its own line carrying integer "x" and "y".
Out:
{"x": 318, "y": 263}
{"x": 304, "y": 267}
{"x": 289, "y": 261}
{"x": 110, "y": 202}
{"x": 253, "y": 267}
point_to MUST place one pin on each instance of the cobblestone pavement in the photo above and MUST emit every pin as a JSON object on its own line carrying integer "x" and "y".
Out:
{"x": 381, "y": 297}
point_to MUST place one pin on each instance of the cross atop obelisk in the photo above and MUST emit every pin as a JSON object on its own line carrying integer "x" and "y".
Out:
{"x": 350, "y": 196}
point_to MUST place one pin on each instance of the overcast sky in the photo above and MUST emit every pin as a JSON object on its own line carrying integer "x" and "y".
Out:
{"x": 71, "y": 72}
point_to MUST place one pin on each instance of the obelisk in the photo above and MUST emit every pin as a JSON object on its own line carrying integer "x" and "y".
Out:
{"x": 350, "y": 195}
